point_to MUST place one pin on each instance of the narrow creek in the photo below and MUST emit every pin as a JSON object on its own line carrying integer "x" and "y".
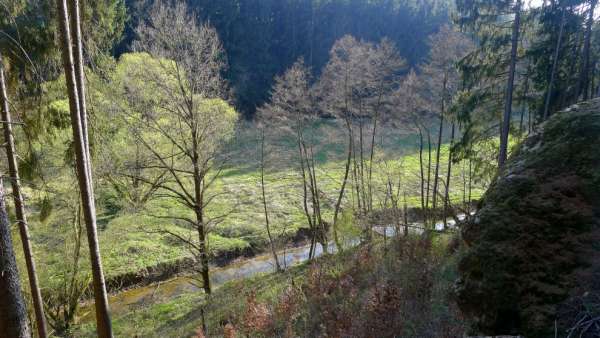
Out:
{"x": 137, "y": 298}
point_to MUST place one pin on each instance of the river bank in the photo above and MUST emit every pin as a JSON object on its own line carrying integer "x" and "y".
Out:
{"x": 165, "y": 271}
{"x": 183, "y": 282}
{"x": 175, "y": 308}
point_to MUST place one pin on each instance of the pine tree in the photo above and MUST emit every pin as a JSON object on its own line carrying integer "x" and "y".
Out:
{"x": 490, "y": 71}
{"x": 83, "y": 164}
{"x": 583, "y": 85}
{"x": 510, "y": 87}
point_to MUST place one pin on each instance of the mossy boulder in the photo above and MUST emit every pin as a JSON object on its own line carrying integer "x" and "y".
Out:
{"x": 534, "y": 244}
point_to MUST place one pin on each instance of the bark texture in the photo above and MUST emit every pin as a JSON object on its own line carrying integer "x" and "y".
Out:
{"x": 13, "y": 315}
{"x": 83, "y": 167}
{"x": 13, "y": 170}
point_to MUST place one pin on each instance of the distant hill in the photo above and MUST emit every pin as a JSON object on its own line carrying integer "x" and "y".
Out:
{"x": 264, "y": 37}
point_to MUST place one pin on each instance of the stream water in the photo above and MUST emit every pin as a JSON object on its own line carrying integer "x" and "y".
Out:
{"x": 136, "y": 298}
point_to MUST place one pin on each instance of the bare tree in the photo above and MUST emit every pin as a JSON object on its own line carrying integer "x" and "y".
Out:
{"x": 189, "y": 120}
{"x": 15, "y": 180}
{"x": 13, "y": 315}
{"x": 63, "y": 302}
{"x": 75, "y": 85}
{"x": 264, "y": 200}
{"x": 355, "y": 87}
{"x": 384, "y": 67}
{"x": 393, "y": 189}
{"x": 292, "y": 109}
{"x": 413, "y": 109}
{"x": 442, "y": 80}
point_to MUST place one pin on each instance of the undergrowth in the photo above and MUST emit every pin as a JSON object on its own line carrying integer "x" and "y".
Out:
{"x": 401, "y": 289}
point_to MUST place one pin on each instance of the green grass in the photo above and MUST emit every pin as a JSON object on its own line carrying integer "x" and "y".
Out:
{"x": 128, "y": 240}
{"x": 180, "y": 317}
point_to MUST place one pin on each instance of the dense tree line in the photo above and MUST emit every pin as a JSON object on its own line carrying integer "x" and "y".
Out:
{"x": 264, "y": 38}
{"x": 530, "y": 63}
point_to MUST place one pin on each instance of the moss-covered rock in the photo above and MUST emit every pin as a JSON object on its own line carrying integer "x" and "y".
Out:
{"x": 533, "y": 245}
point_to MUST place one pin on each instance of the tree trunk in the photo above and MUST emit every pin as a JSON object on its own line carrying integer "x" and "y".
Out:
{"x": 568, "y": 97}
{"x": 510, "y": 88}
{"x": 13, "y": 170}
{"x": 372, "y": 150}
{"x": 470, "y": 182}
{"x": 301, "y": 153}
{"x": 84, "y": 175}
{"x": 13, "y": 315}
{"x": 405, "y": 215}
{"x": 76, "y": 39}
{"x": 361, "y": 171}
{"x": 314, "y": 188}
{"x": 448, "y": 175}
{"x": 554, "y": 65}
{"x": 436, "y": 178}
{"x": 264, "y": 200}
{"x": 464, "y": 179}
{"x": 338, "y": 203}
{"x": 356, "y": 180}
{"x": 428, "y": 184}
{"x": 592, "y": 80}
{"x": 421, "y": 165}
{"x": 524, "y": 101}
{"x": 370, "y": 172}
{"x": 583, "y": 83}
{"x": 204, "y": 269}
{"x": 202, "y": 247}
{"x": 199, "y": 210}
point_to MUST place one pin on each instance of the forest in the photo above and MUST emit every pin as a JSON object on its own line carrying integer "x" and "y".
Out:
{"x": 299, "y": 168}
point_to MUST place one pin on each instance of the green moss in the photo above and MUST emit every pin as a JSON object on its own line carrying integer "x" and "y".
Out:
{"x": 528, "y": 247}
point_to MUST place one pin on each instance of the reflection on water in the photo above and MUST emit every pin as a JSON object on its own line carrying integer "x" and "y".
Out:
{"x": 159, "y": 293}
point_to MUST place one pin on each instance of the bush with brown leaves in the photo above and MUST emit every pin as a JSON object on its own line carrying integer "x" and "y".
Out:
{"x": 258, "y": 318}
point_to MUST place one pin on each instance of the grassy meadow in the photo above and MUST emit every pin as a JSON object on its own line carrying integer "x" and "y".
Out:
{"x": 129, "y": 239}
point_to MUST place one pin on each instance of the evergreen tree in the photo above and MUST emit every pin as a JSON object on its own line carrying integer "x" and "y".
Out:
{"x": 497, "y": 25}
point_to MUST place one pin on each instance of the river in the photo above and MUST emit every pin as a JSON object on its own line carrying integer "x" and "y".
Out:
{"x": 161, "y": 292}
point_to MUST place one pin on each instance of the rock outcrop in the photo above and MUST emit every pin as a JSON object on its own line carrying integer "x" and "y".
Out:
{"x": 532, "y": 251}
